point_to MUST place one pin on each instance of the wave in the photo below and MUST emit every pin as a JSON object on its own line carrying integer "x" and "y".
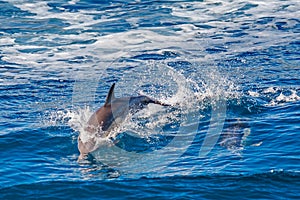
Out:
{"x": 259, "y": 185}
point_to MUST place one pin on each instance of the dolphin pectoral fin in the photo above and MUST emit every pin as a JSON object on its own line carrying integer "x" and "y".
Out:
{"x": 110, "y": 96}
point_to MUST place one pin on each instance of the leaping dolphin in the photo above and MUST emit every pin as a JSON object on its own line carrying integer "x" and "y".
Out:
{"x": 107, "y": 117}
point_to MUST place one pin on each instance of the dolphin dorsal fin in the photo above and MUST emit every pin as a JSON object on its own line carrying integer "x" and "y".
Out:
{"x": 110, "y": 96}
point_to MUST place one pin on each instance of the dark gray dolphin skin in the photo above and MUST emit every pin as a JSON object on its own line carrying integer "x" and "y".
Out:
{"x": 110, "y": 115}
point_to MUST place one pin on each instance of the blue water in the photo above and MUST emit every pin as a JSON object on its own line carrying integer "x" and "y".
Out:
{"x": 235, "y": 63}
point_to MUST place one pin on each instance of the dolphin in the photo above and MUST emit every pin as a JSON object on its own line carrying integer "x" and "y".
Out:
{"x": 109, "y": 116}
{"x": 234, "y": 136}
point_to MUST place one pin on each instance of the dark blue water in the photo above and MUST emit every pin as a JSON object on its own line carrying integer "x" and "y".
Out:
{"x": 230, "y": 69}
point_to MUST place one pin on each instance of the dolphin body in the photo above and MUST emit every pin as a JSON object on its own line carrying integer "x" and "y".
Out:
{"x": 109, "y": 116}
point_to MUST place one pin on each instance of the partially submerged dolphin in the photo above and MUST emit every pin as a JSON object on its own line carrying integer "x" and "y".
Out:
{"x": 110, "y": 115}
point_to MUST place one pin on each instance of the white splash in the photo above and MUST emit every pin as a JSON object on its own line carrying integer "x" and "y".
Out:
{"x": 270, "y": 90}
{"x": 253, "y": 93}
{"x": 284, "y": 98}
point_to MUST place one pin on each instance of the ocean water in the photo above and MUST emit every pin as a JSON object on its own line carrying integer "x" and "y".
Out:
{"x": 230, "y": 70}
